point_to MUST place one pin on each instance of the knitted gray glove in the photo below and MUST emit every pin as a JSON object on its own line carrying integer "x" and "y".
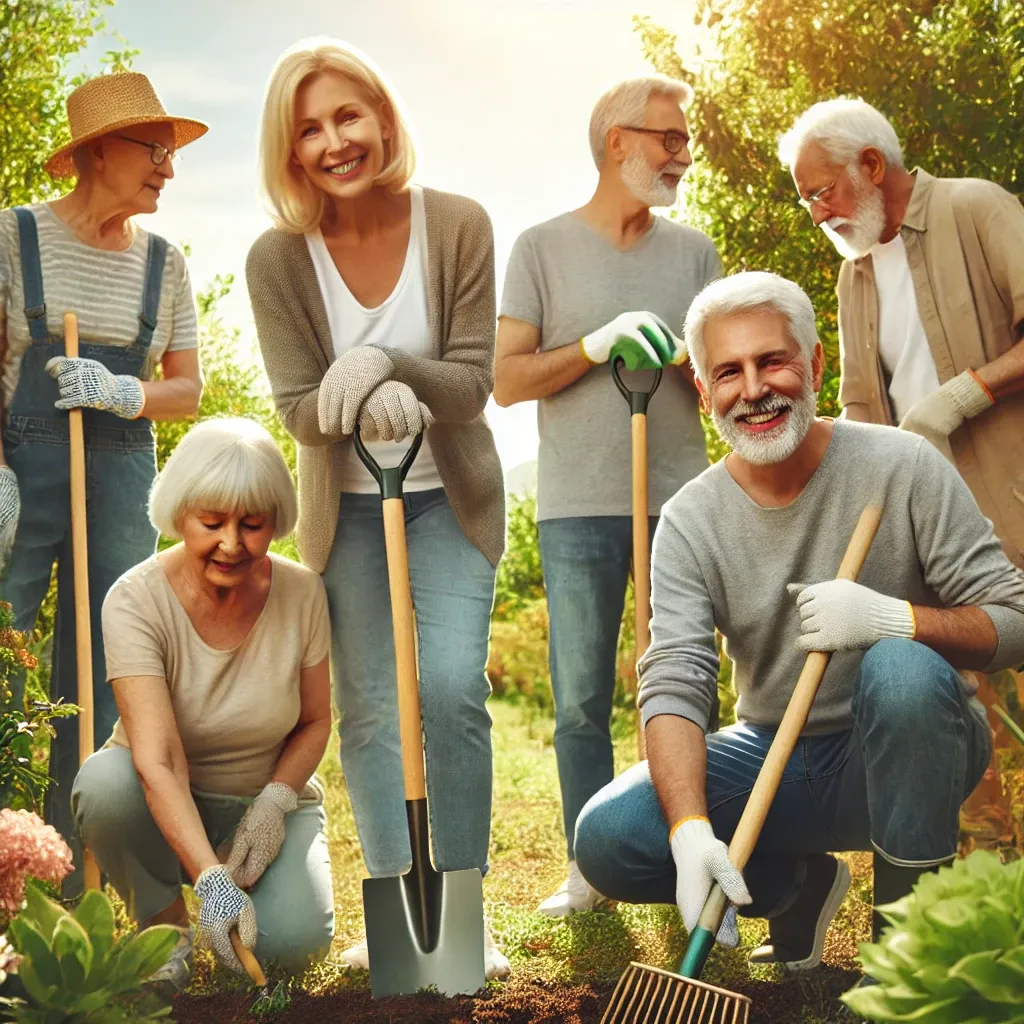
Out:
{"x": 346, "y": 385}
{"x": 85, "y": 383}
{"x": 224, "y": 907}
{"x": 391, "y": 412}
{"x": 10, "y": 508}
{"x": 260, "y": 834}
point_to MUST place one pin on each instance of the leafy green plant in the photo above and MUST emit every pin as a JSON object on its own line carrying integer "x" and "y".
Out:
{"x": 954, "y": 951}
{"x": 76, "y": 971}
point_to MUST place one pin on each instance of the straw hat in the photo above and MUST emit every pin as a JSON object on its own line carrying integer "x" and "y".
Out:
{"x": 109, "y": 102}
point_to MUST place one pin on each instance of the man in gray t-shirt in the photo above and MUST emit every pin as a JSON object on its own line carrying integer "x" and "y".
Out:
{"x": 895, "y": 740}
{"x": 607, "y": 279}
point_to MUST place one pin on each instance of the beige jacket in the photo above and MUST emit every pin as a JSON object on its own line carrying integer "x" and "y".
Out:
{"x": 295, "y": 340}
{"x": 965, "y": 245}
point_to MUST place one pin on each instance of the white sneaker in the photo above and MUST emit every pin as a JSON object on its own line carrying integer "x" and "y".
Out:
{"x": 496, "y": 964}
{"x": 574, "y": 894}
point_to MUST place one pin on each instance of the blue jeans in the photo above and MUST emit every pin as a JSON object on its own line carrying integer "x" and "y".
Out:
{"x": 453, "y": 591}
{"x": 893, "y": 783}
{"x": 586, "y": 562}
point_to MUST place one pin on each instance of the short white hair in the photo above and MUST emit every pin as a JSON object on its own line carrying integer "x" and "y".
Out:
{"x": 626, "y": 104}
{"x": 225, "y": 464}
{"x": 844, "y": 128}
{"x": 741, "y": 293}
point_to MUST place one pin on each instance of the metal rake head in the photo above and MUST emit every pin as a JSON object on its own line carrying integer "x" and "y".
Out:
{"x": 647, "y": 995}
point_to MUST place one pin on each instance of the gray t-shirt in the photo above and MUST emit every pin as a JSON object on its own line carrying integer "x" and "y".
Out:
{"x": 721, "y": 560}
{"x": 567, "y": 279}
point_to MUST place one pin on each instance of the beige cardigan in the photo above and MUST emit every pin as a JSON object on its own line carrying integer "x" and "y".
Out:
{"x": 295, "y": 340}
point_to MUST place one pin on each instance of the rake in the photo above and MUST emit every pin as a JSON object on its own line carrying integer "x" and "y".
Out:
{"x": 647, "y": 995}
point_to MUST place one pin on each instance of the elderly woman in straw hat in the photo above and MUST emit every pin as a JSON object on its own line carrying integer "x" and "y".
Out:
{"x": 217, "y": 655}
{"x": 84, "y": 254}
{"x": 374, "y": 304}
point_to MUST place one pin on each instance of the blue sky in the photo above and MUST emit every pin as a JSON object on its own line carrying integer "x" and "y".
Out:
{"x": 498, "y": 94}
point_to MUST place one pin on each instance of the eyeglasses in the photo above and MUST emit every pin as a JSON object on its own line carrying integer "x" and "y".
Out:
{"x": 673, "y": 141}
{"x": 819, "y": 195}
{"x": 157, "y": 153}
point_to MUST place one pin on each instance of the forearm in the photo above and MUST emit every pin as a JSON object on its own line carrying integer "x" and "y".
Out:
{"x": 173, "y": 399}
{"x": 1004, "y": 375}
{"x": 677, "y": 758}
{"x": 302, "y": 753}
{"x": 174, "y": 810}
{"x": 528, "y": 376}
{"x": 965, "y": 637}
{"x": 453, "y": 391}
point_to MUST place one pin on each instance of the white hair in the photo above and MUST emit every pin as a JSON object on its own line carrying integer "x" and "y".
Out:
{"x": 225, "y": 464}
{"x": 626, "y": 104}
{"x": 752, "y": 290}
{"x": 844, "y": 128}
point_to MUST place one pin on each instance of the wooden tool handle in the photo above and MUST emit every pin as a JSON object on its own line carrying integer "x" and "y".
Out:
{"x": 249, "y": 962}
{"x": 403, "y": 626}
{"x": 641, "y": 555}
{"x": 80, "y": 559}
{"x": 793, "y": 721}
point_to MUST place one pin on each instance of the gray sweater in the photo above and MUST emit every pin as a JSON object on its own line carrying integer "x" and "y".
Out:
{"x": 720, "y": 560}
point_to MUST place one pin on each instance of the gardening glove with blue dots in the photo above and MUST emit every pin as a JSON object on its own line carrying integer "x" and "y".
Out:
{"x": 10, "y": 508}
{"x": 85, "y": 383}
{"x": 642, "y": 340}
{"x": 224, "y": 907}
{"x": 260, "y": 834}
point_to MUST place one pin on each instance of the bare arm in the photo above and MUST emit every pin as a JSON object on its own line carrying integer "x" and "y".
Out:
{"x": 1004, "y": 375}
{"x": 307, "y": 742}
{"x": 965, "y": 637}
{"x": 176, "y": 395}
{"x": 678, "y": 759}
{"x": 159, "y": 758}
{"x": 523, "y": 373}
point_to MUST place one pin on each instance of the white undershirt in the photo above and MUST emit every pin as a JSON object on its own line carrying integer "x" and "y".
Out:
{"x": 902, "y": 343}
{"x": 401, "y": 321}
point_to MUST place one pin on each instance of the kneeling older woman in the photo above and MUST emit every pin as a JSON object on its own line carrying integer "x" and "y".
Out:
{"x": 217, "y": 653}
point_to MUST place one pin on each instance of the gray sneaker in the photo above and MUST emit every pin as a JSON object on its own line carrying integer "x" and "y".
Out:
{"x": 177, "y": 971}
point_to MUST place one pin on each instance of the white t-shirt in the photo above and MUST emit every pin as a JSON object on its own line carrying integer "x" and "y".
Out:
{"x": 400, "y": 321}
{"x": 902, "y": 343}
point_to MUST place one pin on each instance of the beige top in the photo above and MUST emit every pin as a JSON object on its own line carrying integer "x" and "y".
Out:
{"x": 963, "y": 241}
{"x": 233, "y": 708}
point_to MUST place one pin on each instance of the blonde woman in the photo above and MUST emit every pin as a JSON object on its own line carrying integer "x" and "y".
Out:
{"x": 374, "y": 302}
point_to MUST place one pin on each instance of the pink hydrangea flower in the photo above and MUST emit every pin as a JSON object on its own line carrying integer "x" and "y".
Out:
{"x": 29, "y": 848}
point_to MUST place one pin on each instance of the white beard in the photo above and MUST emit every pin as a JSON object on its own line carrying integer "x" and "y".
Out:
{"x": 775, "y": 445}
{"x": 645, "y": 183}
{"x": 866, "y": 227}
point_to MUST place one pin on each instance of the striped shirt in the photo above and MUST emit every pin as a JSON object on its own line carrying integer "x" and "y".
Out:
{"x": 103, "y": 288}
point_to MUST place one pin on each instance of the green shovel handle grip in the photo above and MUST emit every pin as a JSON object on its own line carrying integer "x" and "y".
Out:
{"x": 638, "y": 400}
{"x": 702, "y": 938}
{"x": 389, "y": 478}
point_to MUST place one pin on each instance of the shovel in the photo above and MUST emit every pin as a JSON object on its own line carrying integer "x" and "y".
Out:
{"x": 425, "y": 928}
{"x": 80, "y": 560}
{"x": 652, "y": 996}
{"x": 638, "y": 402}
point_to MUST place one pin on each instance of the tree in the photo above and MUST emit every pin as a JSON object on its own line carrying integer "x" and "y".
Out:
{"x": 38, "y": 38}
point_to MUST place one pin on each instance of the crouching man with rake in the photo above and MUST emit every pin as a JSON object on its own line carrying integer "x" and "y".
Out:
{"x": 895, "y": 740}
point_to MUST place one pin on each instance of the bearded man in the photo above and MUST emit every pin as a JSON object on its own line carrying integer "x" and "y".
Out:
{"x": 601, "y": 281}
{"x": 895, "y": 740}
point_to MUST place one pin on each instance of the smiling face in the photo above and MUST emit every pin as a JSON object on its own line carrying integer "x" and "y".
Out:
{"x": 225, "y": 548}
{"x": 649, "y": 171}
{"x": 761, "y": 390}
{"x": 340, "y": 135}
{"x": 125, "y": 169}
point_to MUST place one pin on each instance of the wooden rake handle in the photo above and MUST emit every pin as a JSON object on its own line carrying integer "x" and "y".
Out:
{"x": 249, "y": 962}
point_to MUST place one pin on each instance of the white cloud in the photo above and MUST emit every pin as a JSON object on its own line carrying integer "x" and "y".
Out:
{"x": 193, "y": 80}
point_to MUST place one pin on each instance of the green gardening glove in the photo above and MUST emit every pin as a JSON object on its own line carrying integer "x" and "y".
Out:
{"x": 642, "y": 340}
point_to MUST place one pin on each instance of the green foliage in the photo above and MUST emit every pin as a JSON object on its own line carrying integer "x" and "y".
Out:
{"x": 954, "y": 951}
{"x": 950, "y": 76}
{"x": 38, "y": 39}
{"x": 76, "y": 970}
{"x": 520, "y": 579}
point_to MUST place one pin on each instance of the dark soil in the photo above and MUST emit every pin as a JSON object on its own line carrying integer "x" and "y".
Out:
{"x": 520, "y": 1002}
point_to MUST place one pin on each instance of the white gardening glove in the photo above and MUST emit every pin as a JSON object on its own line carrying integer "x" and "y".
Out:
{"x": 840, "y": 615}
{"x": 642, "y": 339}
{"x": 937, "y": 415}
{"x": 392, "y": 412}
{"x": 85, "y": 383}
{"x": 347, "y": 384}
{"x": 224, "y": 907}
{"x": 10, "y": 508}
{"x": 260, "y": 833}
{"x": 701, "y": 859}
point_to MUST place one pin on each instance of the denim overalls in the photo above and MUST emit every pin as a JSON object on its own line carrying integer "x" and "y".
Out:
{"x": 120, "y": 457}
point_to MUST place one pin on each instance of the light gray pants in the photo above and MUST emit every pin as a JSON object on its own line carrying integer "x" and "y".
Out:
{"x": 293, "y": 898}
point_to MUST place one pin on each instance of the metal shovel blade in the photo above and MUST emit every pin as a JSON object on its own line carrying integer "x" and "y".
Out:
{"x": 425, "y": 928}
